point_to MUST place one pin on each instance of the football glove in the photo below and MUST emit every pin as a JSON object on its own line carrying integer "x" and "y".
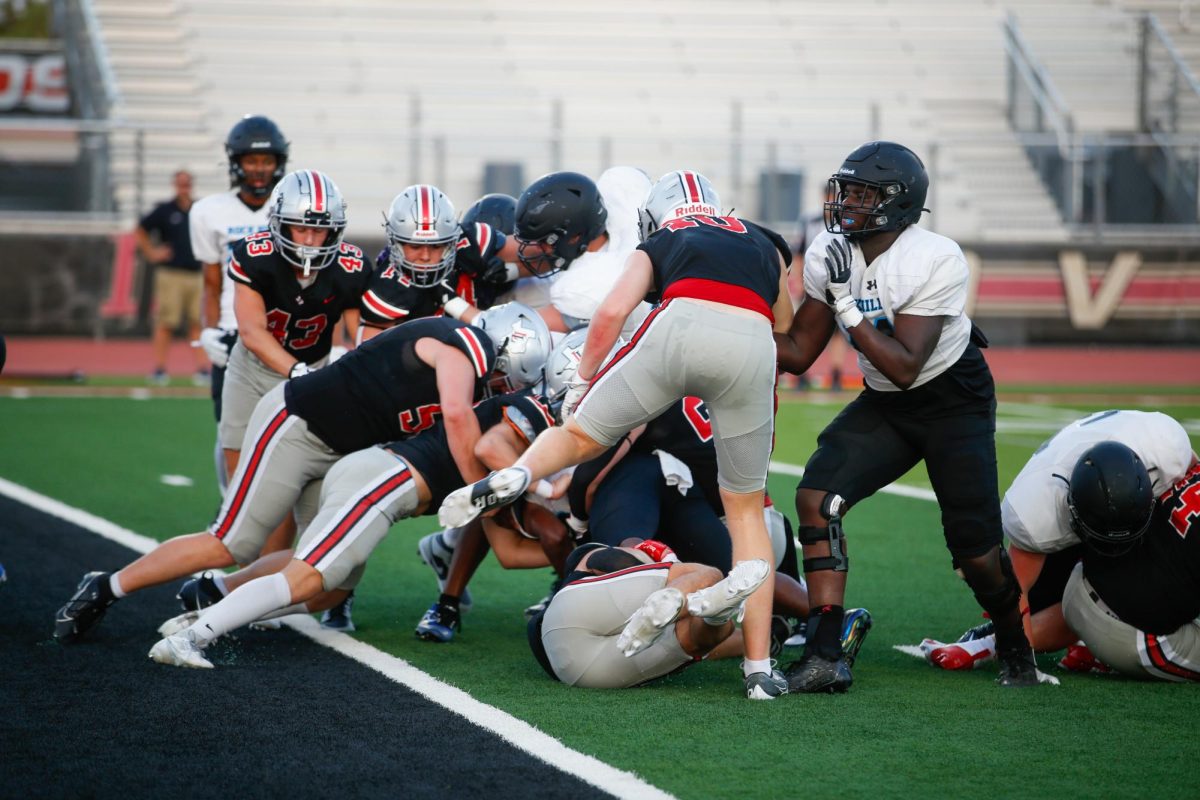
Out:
{"x": 838, "y": 258}
{"x": 213, "y": 340}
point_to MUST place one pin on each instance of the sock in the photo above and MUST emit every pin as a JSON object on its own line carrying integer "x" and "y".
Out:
{"x": 294, "y": 608}
{"x": 449, "y": 601}
{"x": 114, "y": 586}
{"x": 243, "y": 605}
{"x": 219, "y": 579}
{"x": 750, "y": 667}
{"x": 824, "y": 632}
{"x": 451, "y": 536}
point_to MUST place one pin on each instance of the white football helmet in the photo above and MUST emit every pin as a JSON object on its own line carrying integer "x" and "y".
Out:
{"x": 422, "y": 215}
{"x": 310, "y": 199}
{"x": 677, "y": 194}
{"x": 563, "y": 363}
{"x": 522, "y": 344}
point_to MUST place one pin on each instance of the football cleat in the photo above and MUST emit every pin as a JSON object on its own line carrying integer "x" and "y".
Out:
{"x": 178, "y": 623}
{"x": 978, "y": 632}
{"x": 723, "y": 600}
{"x": 439, "y": 624}
{"x": 649, "y": 622}
{"x": 766, "y": 685}
{"x": 855, "y": 625}
{"x": 959, "y": 655}
{"x": 1017, "y": 668}
{"x": 813, "y": 674}
{"x": 180, "y": 650}
{"x": 198, "y": 593}
{"x": 1079, "y": 658}
{"x": 84, "y": 610}
{"x": 498, "y": 489}
{"x": 338, "y": 618}
{"x": 782, "y": 629}
{"x": 437, "y": 554}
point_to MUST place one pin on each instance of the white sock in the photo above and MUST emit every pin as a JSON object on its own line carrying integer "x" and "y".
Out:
{"x": 219, "y": 580}
{"x": 294, "y": 608}
{"x": 750, "y": 667}
{"x": 241, "y": 607}
{"x": 114, "y": 584}
{"x": 451, "y": 536}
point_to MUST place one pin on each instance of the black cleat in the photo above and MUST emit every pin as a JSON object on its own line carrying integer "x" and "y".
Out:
{"x": 1017, "y": 668}
{"x": 339, "y": 617}
{"x": 812, "y": 674}
{"x": 85, "y": 608}
{"x": 199, "y": 593}
{"x": 978, "y": 632}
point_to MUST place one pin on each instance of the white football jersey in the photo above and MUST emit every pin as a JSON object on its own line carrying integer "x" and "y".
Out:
{"x": 1034, "y": 510}
{"x": 923, "y": 274}
{"x": 578, "y": 290}
{"x": 216, "y": 223}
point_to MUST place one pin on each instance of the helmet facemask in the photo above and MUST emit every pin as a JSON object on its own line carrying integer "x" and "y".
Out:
{"x": 856, "y": 209}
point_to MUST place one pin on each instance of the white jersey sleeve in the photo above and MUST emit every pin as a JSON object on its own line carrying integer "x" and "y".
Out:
{"x": 215, "y": 223}
{"x": 1034, "y": 510}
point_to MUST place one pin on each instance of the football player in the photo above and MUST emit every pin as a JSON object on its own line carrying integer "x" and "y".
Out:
{"x": 257, "y": 153}
{"x": 394, "y": 386}
{"x": 363, "y": 494}
{"x": 1044, "y": 537}
{"x": 898, "y": 293}
{"x": 722, "y": 285}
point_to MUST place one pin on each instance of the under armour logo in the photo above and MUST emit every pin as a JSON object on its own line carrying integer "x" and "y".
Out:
{"x": 870, "y": 286}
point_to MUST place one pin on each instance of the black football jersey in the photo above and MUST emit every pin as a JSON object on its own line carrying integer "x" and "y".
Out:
{"x": 391, "y": 296}
{"x": 684, "y": 431}
{"x": 381, "y": 391}
{"x": 718, "y": 250}
{"x": 302, "y": 319}
{"x": 429, "y": 453}
{"x": 1156, "y": 586}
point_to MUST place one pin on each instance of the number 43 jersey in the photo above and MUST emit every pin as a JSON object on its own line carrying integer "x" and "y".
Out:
{"x": 302, "y": 318}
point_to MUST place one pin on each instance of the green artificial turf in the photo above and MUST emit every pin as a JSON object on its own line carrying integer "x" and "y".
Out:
{"x": 904, "y": 728}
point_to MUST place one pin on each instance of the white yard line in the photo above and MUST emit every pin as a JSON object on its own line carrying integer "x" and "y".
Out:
{"x": 518, "y": 733}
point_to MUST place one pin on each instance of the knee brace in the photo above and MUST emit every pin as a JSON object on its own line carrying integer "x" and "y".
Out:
{"x": 831, "y": 532}
{"x": 996, "y": 598}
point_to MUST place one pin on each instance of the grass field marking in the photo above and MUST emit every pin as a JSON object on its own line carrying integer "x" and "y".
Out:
{"x": 518, "y": 733}
{"x": 784, "y": 468}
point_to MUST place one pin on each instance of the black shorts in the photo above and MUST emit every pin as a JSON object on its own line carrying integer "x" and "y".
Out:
{"x": 949, "y": 423}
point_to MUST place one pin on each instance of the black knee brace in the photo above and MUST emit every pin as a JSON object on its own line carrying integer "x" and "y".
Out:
{"x": 997, "y": 599}
{"x": 830, "y": 532}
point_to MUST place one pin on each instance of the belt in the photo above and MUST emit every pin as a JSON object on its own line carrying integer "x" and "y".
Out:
{"x": 1100, "y": 604}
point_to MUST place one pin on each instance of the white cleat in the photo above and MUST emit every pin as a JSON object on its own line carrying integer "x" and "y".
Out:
{"x": 498, "y": 489}
{"x": 180, "y": 650}
{"x": 723, "y": 600}
{"x": 176, "y": 624}
{"x": 650, "y": 621}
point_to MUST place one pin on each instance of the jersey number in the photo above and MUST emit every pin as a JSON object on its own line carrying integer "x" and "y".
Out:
{"x": 311, "y": 328}
{"x": 351, "y": 258}
{"x": 731, "y": 224}
{"x": 260, "y": 244}
{"x": 697, "y": 417}
{"x": 1184, "y": 501}
{"x": 415, "y": 420}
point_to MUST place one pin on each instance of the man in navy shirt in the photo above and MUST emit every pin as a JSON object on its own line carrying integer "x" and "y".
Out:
{"x": 164, "y": 241}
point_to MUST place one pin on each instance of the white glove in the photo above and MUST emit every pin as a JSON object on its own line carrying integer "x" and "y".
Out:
{"x": 576, "y": 389}
{"x": 211, "y": 339}
{"x": 299, "y": 369}
{"x": 838, "y": 258}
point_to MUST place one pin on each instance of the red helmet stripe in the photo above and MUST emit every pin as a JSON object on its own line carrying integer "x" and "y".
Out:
{"x": 318, "y": 190}
{"x": 692, "y": 187}
{"x": 424, "y": 207}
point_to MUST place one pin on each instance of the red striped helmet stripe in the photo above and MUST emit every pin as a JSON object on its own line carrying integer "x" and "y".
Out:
{"x": 692, "y": 187}
{"x": 424, "y": 207}
{"x": 318, "y": 190}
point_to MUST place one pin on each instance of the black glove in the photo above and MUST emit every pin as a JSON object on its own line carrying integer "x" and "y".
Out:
{"x": 495, "y": 271}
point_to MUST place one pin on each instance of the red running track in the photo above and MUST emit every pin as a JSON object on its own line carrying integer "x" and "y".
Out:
{"x": 56, "y": 357}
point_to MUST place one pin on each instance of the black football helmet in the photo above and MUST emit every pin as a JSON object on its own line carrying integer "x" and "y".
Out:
{"x": 1111, "y": 498}
{"x": 881, "y": 186}
{"x": 497, "y": 210}
{"x": 558, "y": 216}
{"x": 255, "y": 134}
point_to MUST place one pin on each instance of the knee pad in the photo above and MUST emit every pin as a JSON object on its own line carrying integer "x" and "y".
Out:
{"x": 995, "y": 597}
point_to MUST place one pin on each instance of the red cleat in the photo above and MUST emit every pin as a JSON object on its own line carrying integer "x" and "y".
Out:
{"x": 1080, "y": 659}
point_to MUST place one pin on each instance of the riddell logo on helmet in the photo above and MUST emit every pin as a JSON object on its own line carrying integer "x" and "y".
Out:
{"x": 846, "y": 171}
{"x": 695, "y": 208}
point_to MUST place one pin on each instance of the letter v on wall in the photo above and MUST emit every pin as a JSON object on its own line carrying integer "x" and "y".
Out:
{"x": 1088, "y": 311}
